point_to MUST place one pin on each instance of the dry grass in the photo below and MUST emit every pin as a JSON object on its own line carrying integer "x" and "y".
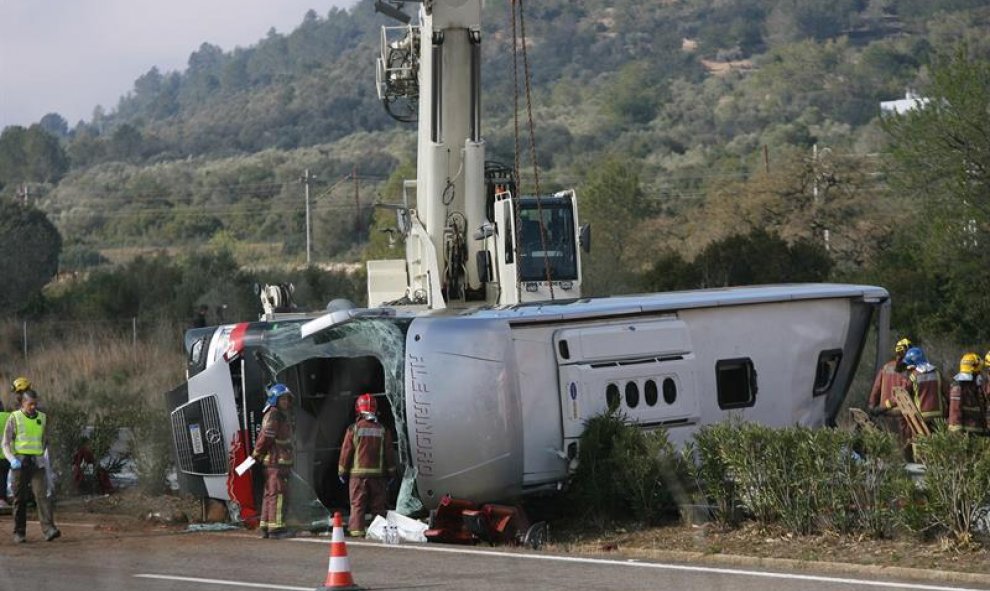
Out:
{"x": 63, "y": 355}
{"x": 95, "y": 378}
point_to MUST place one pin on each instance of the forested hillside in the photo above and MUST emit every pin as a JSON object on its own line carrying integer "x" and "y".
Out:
{"x": 685, "y": 125}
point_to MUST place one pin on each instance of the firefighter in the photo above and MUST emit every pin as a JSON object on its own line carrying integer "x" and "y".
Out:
{"x": 367, "y": 459}
{"x": 967, "y": 404}
{"x": 20, "y": 385}
{"x": 893, "y": 374}
{"x": 25, "y": 441}
{"x": 274, "y": 449}
{"x": 927, "y": 387}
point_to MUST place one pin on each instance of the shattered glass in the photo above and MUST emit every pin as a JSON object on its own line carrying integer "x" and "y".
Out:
{"x": 381, "y": 338}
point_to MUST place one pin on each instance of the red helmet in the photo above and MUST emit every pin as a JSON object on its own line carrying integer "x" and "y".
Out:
{"x": 366, "y": 403}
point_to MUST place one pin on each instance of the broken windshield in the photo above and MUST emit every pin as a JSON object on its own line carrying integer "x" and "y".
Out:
{"x": 382, "y": 339}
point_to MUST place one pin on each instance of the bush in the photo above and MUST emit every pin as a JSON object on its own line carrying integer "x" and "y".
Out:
{"x": 625, "y": 472}
{"x": 711, "y": 471}
{"x": 595, "y": 489}
{"x": 804, "y": 479}
{"x": 879, "y": 488}
{"x": 957, "y": 481}
{"x": 650, "y": 473}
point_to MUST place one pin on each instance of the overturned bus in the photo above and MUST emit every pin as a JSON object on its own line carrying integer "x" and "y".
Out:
{"x": 489, "y": 404}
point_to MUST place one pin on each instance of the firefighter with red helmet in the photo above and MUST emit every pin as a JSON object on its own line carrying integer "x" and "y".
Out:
{"x": 274, "y": 449}
{"x": 368, "y": 461}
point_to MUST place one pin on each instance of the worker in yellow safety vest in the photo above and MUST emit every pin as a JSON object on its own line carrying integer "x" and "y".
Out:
{"x": 25, "y": 441}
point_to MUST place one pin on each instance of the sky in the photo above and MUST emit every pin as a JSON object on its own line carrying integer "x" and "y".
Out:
{"x": 68, "y": 56}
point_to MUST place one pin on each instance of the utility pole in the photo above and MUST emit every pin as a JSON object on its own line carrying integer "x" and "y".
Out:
{"x": 305, "y": 180}
{"x": 814, "y": 191}
{"x": 23, "y": 192}
{"x": 357, "y": 204}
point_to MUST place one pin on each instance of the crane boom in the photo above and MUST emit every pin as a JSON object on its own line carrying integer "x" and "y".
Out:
{"x": 469, "y": 239}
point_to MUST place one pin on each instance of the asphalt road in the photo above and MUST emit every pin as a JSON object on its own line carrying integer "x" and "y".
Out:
{"x": 89, "y": 558}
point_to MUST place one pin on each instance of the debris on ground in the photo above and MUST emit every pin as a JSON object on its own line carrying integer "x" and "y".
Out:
{"x": 211, "y": 527}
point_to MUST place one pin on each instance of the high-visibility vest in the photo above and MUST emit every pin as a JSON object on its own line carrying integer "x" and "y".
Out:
{"x": 4, "y": 415}
{"x": 29, "y": 438}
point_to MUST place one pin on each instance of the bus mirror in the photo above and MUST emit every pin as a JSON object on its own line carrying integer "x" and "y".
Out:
{"x": 484, "y": 262}
{"x": 584, "y": 237}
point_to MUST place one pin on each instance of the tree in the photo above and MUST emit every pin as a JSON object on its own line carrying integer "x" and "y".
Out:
{"x": 612, "y": 200}
{"x": 942, "y": 149}
{"x": 55, "y": 124}
{"x": 30, "y": 155}
{"x": 742, "y": 259}
{"x": 761, "y": 257}
{"x": 633, "y": 98}
{"x": 941, "y": 171}
{"x": 29, "y": 250}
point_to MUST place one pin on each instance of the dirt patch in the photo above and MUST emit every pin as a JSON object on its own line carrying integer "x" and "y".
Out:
{"x": 129, "y": 509}
{"x": 751, "y": 540}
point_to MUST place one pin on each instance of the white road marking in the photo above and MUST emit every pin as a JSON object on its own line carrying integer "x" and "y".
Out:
{"x": 659, "y": 565}
{"x": 221, "y": 582}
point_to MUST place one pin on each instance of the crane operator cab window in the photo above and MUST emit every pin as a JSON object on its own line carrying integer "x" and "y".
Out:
{"x": 555, "y": 249}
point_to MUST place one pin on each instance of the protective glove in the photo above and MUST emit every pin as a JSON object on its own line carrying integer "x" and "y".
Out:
{"x": 342, "y": 479}
{"x": 15, "y": 464}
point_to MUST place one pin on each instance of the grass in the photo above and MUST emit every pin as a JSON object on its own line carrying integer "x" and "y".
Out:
{"x": 90, "y": 375}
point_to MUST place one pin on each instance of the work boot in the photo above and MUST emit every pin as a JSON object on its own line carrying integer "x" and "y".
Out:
{"x": 264, "y": 533}
{"x": 279, "y": 534}
{"x": 53, "y": 534}
{"x": 19, "y": 538}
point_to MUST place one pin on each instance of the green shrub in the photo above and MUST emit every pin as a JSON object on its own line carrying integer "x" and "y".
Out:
{"x": 151, "y": 446}
{"x": 595, "y": 490}
{"x": 626, "y": 473}
{"x": 650, "y": 473}
{"x": 67, "y": 419}
{"x": 878, "y": 485}
{"x": 711, "y": 470}
{"x": 750, "y": 458}
{"x": 806, "y": 480}
{"x": 957, "y": 480}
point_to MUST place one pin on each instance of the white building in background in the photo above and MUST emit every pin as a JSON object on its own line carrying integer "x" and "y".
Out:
{"x": 910, "y": 102}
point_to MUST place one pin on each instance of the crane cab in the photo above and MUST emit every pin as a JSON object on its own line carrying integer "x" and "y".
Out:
{"x": 534, "y": 248}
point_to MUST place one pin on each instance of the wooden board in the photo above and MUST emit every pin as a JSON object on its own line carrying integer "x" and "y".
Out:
{"x": 910, "y": 413}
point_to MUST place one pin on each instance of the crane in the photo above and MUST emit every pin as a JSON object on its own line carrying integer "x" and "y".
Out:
{"x": 469, "y": 238}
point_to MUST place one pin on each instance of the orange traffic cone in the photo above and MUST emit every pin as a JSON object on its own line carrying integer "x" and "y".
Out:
{"x": 339, "y": 572}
